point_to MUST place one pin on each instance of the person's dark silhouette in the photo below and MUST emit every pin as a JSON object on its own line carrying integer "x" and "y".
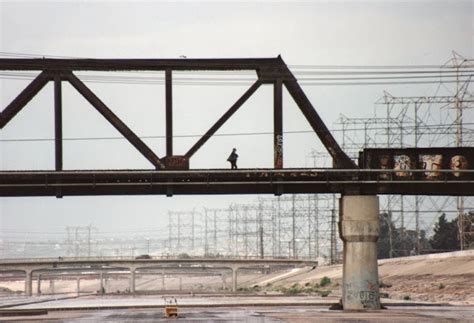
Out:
{"x": 233, "y": 159}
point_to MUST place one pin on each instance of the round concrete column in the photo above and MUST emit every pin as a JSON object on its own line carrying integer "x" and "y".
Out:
{"x": 359, "y": 230}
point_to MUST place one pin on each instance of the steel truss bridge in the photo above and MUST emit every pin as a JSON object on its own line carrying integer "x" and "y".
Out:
{"x": 263, "y": 181}
{"x": 170, "y": 174}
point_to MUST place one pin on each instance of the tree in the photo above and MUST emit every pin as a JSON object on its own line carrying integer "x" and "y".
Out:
{"x": 385, "y": 241}
{"x": 398, "y": 242}
{"x": 446, "y": 235}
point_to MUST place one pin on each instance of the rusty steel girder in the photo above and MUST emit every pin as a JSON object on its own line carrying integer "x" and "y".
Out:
{"x": 269, "y": 71}
{"x": 247, "y": 181}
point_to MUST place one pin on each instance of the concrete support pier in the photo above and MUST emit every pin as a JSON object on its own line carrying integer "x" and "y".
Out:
{"x": 28, "y": 283}
{"x": 132, "y": 280}
{"x": 38, "y": 291}
{"x": 101, "y": 279}
{"x": 78, "y": 286}
{"x": 51, "y": 286}
{"x": 234, "y": 279}
{"x": 224, "y": 282}
{"x": 359, "y": 231}
{"x": 163, "y": 280}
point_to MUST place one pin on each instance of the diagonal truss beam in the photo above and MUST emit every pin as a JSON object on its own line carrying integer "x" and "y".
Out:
{"x": 223, "y": 119}
{"x": 114, "y": 120}
{"x": 23, "y": 98}
{"x": 341, "y": 160}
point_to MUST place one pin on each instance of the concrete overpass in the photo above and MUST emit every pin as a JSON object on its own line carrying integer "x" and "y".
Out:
{"x": 131, "y": 265}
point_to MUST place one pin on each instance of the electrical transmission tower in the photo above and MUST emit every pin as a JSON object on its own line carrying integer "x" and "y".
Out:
{"x": 443, "y": 119}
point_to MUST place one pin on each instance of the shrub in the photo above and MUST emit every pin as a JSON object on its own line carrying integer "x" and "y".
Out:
{"x": 406, "y": 297}
{"x": 384, "y": 285}
{"x": 294, "y": 290}
{"x": 441, "y": 286}
{"x": 184, "y": 256}
{"x": 325, "y": 281}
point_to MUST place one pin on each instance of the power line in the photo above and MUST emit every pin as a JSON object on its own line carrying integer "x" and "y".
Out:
{"x": 438, "y": 126}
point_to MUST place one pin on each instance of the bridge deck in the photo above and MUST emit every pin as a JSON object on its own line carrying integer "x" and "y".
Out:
{"x": 246, "y": 181}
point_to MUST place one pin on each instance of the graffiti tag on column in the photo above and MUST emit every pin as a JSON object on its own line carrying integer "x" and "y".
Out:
{"x": 279, "y": 150}
{"x": 369, "y": 298}
{"x": 279, "y": 144}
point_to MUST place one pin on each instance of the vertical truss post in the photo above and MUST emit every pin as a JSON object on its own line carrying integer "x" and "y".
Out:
{"x": 58, "y": 125}
{"x": 278, "y": 124}
{"x": 169, "y": 113}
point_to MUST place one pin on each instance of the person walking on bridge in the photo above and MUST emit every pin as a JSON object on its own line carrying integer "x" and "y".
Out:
{"x": 233, "y": 159}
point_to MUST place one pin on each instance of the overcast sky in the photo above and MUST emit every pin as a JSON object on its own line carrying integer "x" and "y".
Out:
{"x": 303, "y": 32}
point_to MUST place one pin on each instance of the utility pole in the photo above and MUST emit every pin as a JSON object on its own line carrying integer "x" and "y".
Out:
{"x": 293, "y": 226}
{"x": 231, "y": 237}
{"x": 459, "y": 142}
{"x": 179, "y": 232}
{"x": 260, "y": 228}
{"x": 333, "y": 232}
{"x": 192, "y": 231}
{"x": 274, "y": 224}
{"x": 215, "y": 231}
{"x": 316, "y": 226}
{"x": 170, "y": 233}
{"x": 246, "y": 242}
{"x": 279, "y": 226}
{"x": 402, "y": 227}
{"x": 206, "y": 241}
{"x": 89, "y": 228}
{"x": 310, "y": 254}
{"x": 417, "y": 198}
{"x": 76, "y": 242}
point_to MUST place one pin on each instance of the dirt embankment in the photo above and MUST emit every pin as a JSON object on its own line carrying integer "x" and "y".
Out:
{"x": 434, "y": 278}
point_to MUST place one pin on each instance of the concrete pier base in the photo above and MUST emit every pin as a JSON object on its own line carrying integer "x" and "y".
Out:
{"x": 359, "y": 231}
